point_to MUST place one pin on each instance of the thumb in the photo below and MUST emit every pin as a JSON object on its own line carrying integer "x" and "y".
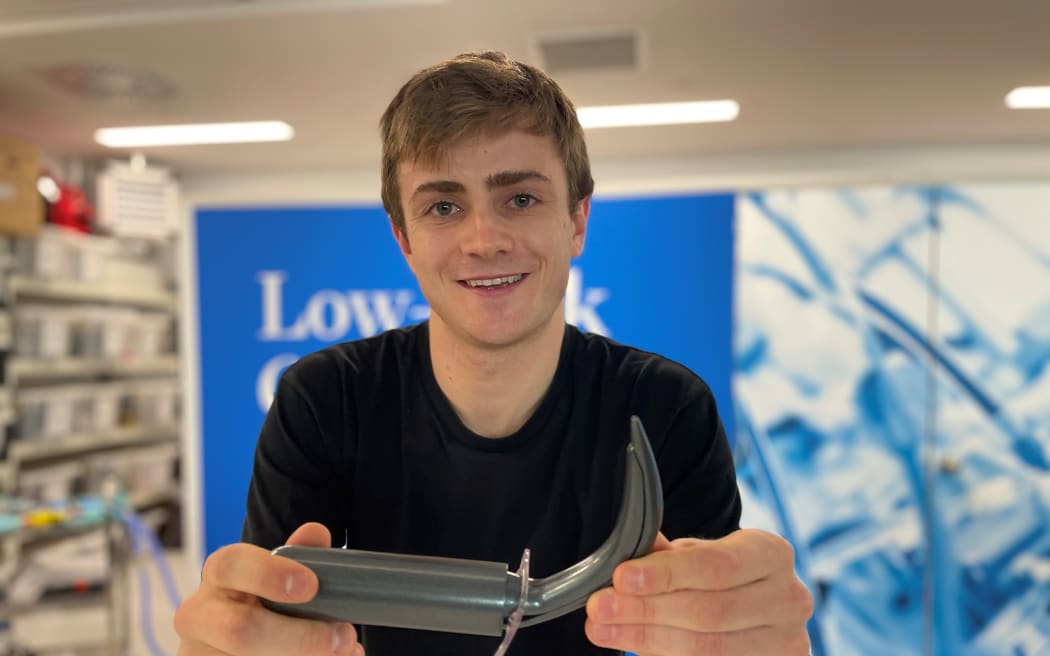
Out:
{"x": 661, "y": 543}
{"x": 311, "y": 534}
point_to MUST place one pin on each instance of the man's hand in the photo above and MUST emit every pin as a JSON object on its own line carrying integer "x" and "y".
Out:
{"x": 738, "y": 595}
{"x": 224, "y": 615}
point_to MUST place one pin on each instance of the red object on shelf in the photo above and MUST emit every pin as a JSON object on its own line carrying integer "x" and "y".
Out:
{"x": 72, "y": 209}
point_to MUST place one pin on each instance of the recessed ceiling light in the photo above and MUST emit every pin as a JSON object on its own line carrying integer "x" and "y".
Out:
{"x": 1029, "y": 98}
{"x": 187, "y": 135}
{"x": 613, "y": 116}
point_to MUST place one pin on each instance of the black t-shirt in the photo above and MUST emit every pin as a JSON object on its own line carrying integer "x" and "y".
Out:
{"x": 361, "y": 438}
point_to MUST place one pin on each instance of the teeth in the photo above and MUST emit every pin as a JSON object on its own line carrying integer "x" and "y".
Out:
{"x": 491, "y": 282}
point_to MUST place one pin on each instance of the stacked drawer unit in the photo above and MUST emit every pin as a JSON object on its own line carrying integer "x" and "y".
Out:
{"x": 90, "y": 367}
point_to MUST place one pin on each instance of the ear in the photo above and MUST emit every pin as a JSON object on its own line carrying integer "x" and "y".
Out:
{"x": 578, "y": 223}
{"x": 402, "y": 242}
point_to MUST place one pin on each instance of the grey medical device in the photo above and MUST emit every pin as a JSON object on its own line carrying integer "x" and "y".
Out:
{"x": 473, "y": 596}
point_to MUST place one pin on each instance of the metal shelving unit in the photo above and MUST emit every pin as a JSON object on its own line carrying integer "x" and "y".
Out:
{"x": 28, "y": 287}
{"x": 42, "y": 371}
{"x": 74, "y": 445}
{"x": 113, "y": 283}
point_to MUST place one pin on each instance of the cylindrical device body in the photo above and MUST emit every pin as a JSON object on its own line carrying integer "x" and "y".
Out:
{"x": 417, "y": 592}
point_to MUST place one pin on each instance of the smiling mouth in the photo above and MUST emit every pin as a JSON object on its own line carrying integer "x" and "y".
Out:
{"x": 500, "y": 281}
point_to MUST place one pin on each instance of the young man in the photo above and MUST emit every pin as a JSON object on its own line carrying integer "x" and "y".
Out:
{"x": 495, "y": 426}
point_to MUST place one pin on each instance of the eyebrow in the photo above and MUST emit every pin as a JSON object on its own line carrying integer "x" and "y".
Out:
{"x": 510, "y": 178}
{"x": 494, "y": 181}
{"x": 440, "y": 186}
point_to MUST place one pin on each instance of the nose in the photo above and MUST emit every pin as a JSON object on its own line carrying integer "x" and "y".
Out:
{"x": 486, "y": 234}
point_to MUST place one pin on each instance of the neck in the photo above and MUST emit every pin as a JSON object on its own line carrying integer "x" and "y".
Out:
{"x": 495, "y": 390}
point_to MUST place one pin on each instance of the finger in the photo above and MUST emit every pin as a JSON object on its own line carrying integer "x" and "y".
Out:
{"x": 311, "y": 534}
{"x": 240, "y": 628}
{"x": 653, "y": 640}
{"x": 772, "y": 601}
{"x": 661, "y": 543}
{"x": 244, "y": 569}
{"x": 737, "y": 559}
{"x": 193, "y": 648}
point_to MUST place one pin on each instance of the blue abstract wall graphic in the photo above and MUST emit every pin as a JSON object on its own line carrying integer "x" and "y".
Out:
{"x": 893, "y": 410}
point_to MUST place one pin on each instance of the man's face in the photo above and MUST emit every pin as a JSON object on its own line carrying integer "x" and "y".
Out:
{"x": 489, "y": 236}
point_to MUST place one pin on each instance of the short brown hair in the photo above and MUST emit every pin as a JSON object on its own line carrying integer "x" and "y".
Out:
{"x": 471, "y": 94}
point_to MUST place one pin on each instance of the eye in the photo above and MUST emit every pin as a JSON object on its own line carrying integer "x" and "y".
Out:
{"x": 442, "y": 208}
{"x": 523, "y": 201}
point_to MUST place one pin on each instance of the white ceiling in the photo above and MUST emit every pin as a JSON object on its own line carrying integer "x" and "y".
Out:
{"x": 808, "y": 74}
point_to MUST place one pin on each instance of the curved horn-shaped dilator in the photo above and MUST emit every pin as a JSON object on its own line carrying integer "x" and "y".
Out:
{"x": 472, "y": 596}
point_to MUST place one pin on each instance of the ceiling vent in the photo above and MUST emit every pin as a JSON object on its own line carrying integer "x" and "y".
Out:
{"x": 110, "y": 83}
{"x": 585, "y": 53}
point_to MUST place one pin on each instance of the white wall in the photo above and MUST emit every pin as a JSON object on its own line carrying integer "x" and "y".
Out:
{"x": 886, "y": 164}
